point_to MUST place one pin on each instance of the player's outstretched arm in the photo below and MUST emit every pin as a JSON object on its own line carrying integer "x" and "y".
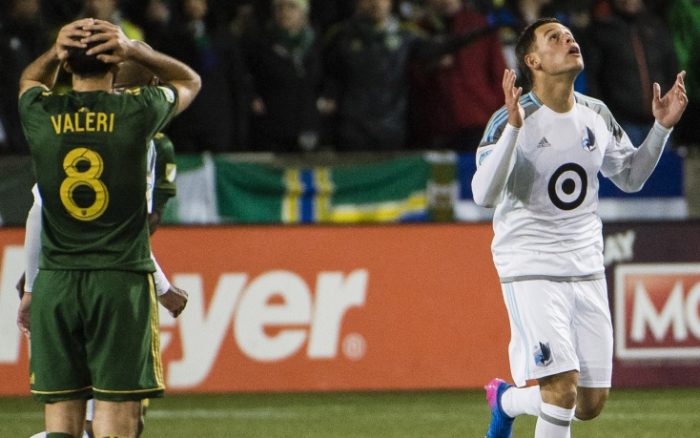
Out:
{"x": 32, "y": 249}
{"x": 114, "y": 47}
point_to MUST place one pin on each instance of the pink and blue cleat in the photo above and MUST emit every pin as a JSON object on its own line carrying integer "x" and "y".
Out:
{"x": 501, "y": 425}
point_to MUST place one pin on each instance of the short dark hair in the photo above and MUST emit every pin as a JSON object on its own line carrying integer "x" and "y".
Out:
{"x": 524, "y": 45}
{"x": 84, "y": 65}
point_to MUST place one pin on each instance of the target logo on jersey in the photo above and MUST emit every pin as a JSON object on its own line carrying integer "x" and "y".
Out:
{"x": 568, "y": 186}
{"x": 657, "y": 311}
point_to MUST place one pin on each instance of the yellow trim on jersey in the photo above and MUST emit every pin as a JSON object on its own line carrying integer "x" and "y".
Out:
{"x": 62, "y": 391}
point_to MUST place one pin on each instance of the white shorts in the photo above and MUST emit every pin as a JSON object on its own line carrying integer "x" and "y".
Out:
{"x": 559, "y": 326}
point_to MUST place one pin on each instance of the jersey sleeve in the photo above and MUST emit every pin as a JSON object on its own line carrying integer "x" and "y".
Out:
{"x": 494, "y": 128}
{"x": 161, "y": 101}
{"x": 166, "y": 171}
{"x": 618, "y": 151}
{"x": 30, "y": 107}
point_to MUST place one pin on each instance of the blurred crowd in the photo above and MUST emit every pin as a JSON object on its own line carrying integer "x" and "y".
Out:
{"x": 369, "y": 75}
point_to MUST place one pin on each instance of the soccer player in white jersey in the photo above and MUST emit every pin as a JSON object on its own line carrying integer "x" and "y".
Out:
{"x": 538, "y": 164}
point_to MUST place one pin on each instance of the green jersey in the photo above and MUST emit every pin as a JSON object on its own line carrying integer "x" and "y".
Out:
{"x": 89, "y": 154}
{"x": 165, "y": 171}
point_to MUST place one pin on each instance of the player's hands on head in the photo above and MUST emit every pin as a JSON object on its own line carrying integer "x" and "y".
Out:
{"x": 175, "y": 300}
{"x": 668, "y": 109}
{"x": 112, "y": 45}
{"x": 71, "y": 35}
{"x": 512, "y": 94}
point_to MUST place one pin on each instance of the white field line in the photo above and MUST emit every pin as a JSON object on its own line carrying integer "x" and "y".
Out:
{"x": 288, "y": 413}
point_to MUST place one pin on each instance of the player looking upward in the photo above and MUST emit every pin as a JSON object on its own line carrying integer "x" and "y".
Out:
{"x": 538, "y": 164}
{"x": 93, "y": 314}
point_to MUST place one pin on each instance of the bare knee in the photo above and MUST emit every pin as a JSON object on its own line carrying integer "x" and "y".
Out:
{"x": 116, "y": 418}
{"x": 65, "y": 416}
{"x": 590, "y": 402}
{"x": 560, "y": 389}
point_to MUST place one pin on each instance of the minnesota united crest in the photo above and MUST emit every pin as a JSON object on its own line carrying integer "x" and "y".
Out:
{"x": 543, "y": 354}
{"x": 588, "y": 141}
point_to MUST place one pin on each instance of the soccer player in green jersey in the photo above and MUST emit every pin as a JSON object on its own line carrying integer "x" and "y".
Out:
{"x": 93, "y": 319}
{"x": 161, "y": 187}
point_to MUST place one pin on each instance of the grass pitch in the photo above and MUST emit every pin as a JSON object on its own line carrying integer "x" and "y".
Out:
{"x": 629, "y": 413}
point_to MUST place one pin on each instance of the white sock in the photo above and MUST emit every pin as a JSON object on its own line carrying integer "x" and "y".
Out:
{"x": 554, "y": 422}
{"x": 519, "y": 401}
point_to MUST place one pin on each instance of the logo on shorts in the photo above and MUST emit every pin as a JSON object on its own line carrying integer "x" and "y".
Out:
{"x": 543, "y": 355}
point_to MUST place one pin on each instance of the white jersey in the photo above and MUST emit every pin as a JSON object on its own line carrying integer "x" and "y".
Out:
{"x": 150, "y": 174}
{"x": 546, "y": 223}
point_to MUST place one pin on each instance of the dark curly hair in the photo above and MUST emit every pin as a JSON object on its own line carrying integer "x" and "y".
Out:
{"x": 84, "y": 65}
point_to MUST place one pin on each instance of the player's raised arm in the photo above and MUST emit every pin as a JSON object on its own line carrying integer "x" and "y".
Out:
{"x": 114, "y": 47}
{"x": 42, "y": 71}
{"x": 667, "y": 111}
{"x": 494, "y": 165}
{"x": 512, "y": 98}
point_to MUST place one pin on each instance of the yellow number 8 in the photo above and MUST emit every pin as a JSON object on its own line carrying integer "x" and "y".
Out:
{"x": 83, "y": 167}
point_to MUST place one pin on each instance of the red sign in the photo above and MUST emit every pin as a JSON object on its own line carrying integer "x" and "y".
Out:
{"x": 657, "y": 311}
{"x": 314, "y": 308}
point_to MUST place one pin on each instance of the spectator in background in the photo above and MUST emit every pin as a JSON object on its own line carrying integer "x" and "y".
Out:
{"x": 108, "y": 10}
{"x": 23, "y": 37}
{"x": 684, "y": 23}
{"x": 285, "y": 65}
{"x": 156, "y": 21}
{"x": 628, "y": 51}
{"x": 519, "y": 14}
{"x": 57, "y": 13}
{"x": 215, "y": 120}
{"x": 326, "y": 13}
{"x": 244, "y": 19}
{"x": 367, "y": 59}
{"x": 455, "y": 95}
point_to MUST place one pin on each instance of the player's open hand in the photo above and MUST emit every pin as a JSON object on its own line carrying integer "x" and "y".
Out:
{"x": 175, "y": 300}
{"x": 23, "y": 314}
{"x": 71, "y": 35}
{"x": 668, "y": 109}
{"x": 512, "y": 95}
{"x": 112, "y": 46}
